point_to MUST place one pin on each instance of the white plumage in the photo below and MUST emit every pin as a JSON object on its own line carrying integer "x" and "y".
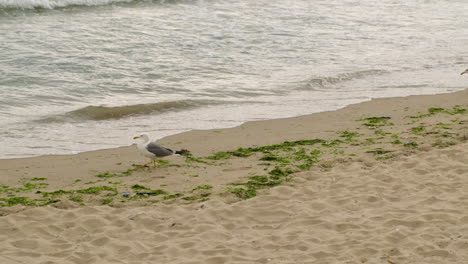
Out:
{"x": 154, "y": 151}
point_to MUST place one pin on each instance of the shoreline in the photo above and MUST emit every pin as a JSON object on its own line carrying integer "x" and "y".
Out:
{"x": 170, "y": 139}
{"x": 103, "y": 144}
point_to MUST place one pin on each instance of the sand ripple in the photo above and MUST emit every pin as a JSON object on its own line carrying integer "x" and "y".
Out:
{"x": 414, "y": 210}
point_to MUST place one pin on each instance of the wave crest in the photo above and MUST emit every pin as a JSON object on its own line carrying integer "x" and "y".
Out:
{"x": 321, "y": 82}
{"x": 97, "y": 113}
{"x": 117, "y": 112}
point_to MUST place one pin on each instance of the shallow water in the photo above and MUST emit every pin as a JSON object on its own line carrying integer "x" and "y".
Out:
{"x": 80, "y": 75}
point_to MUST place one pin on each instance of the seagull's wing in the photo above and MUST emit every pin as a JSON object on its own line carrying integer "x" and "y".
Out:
{"x": 158, "y": 150}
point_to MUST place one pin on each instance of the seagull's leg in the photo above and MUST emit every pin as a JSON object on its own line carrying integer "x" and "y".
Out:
{"x": 146, "y": 165}
{"x": 154, "y": 163}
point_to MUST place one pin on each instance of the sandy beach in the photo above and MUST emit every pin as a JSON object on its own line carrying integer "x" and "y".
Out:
{"x": 384, "y": 181}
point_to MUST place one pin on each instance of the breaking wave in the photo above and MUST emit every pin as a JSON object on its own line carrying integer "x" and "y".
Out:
{"x": 117, "y": 112}
{"x": 318, "y": 83}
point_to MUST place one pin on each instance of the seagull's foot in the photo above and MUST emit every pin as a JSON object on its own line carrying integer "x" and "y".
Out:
{"x": 146, "y": 165}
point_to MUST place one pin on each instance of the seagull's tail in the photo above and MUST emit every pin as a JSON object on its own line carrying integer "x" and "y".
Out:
{"x": 183, "y": 152}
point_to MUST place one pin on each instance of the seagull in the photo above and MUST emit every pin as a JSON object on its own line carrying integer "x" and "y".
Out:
{"x": 466, "y": 71}
{"x": 154, "y": 151}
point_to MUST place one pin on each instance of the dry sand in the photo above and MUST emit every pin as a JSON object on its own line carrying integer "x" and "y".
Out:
{"x": 368, "y": 200}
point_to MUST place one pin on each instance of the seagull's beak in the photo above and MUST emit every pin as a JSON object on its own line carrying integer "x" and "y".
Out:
{"x": 136, "y": 137}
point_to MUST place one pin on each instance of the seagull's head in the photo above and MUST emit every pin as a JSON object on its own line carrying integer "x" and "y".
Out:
{"x": 144, "y": 137}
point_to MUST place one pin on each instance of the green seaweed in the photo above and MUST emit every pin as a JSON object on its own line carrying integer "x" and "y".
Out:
{"x": 247, "y": 152}
{"x": 434, "y": 110}
{"x": 77, "y": 199}
{"x": 126, "y": 173}
{"x": 116, "y": 182}
{"x": 203, "y": 187}
{"x": 31, "y": 186}
{"x": 56, "y": 193}
{"x": 90, "y": 190}
{"x": 4, "y": 188}
{"x": 243, "y": 193}
{"x": 139, "y": 187}
{"x": 349, "y": 136}
{"x": 91, "y": 182}
{"x": 274, "y": 157}
{"x": 220, "y": 156}
{"x": 38, "y": 179}
{"x": 173, "y": 196}
{"x": 12, "y": 201}
{"x": 97, "y": 189}
{"x": 376, "y": 121}
{"x": 249, "y": 188}
{"x": 278, "y": 172}
{"x": 27, "y": 186}
{"x": 418, "y": 130}
{"x": 107, "y": 175}
{"x": 202, "y": 197}
{"x": 242, "y": 152}
{"x": 307, "y": 159}
{"x": 107, "y": 200}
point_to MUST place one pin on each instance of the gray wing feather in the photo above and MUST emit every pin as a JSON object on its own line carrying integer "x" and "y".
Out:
{"x": 158, "y": 150}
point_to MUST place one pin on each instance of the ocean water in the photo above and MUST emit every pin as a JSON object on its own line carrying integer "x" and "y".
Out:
{"x": 80, "y": 75}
